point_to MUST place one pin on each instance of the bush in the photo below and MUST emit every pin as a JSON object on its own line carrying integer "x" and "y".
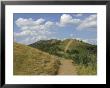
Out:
{"x": 73, "y": 51}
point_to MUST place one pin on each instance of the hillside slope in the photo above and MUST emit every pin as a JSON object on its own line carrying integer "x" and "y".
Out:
{"x": 83, "y": 54}
{"x": 30, "y": 61}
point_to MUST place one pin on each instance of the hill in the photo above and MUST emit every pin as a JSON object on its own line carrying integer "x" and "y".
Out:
{"x": 84, "y": 54}
{"x": 31, "y": 61}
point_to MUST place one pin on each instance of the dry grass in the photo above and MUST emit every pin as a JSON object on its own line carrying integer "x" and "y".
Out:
{"x": 30, "y": 61}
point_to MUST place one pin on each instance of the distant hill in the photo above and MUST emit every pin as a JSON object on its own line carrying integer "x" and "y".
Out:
{"x": 65, "y": 48}
{"x": 31, "y": 61}
{"x": 82, "y": 53}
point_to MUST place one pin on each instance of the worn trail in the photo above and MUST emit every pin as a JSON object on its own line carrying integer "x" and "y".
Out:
{"x": 67, "y": 67}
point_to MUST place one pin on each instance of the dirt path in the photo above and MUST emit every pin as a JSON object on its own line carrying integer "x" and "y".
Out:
{"x": 67, "y": 67}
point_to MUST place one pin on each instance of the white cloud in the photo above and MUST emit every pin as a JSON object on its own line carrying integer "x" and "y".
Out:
{"x": 23, "y": 33}
{"x": 89, "y": 22}
{"x": 67, "y": 19}
{"x": 40, "y": 21}
{"x": 49, "y": 24}
{"x": 91, "y": 41}
{"x": 28, "y": 37}
{"x": 32, "y": 30}
{"x": 24, "y": 22}
{"x": 76, "y": 21}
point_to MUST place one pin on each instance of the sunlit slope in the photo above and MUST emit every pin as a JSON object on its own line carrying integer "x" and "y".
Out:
{"x": 30, "y": 61}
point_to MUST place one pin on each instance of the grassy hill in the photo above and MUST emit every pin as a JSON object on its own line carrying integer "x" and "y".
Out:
{"x": 82, "y": 53}
{"x": 31, "y": 61}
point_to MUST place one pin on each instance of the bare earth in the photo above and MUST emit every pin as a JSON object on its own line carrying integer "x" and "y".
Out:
{"x": 67, "y": 67}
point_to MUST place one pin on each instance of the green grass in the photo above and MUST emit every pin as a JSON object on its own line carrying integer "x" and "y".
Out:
{"x": 31, "y": 61}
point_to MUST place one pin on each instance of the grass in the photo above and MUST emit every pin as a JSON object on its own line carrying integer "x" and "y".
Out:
{"x": 86, "y": 63}
{"x": 42, "y": 57}
{"x": 31, "y": 61}
{"x": 83, "y": 54}
{"x": 86, "y": 70}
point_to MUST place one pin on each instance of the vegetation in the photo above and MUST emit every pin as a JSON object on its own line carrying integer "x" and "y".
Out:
{"x": 31, "y": 61}
{"x": 82, "y": 53}
{"x": 43, "y": 57}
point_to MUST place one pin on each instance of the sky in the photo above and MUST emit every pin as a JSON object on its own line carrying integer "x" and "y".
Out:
{"x": 32, "y": 27}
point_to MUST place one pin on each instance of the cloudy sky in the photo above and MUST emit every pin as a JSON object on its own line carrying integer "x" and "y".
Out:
{"x": 32, "y": 27}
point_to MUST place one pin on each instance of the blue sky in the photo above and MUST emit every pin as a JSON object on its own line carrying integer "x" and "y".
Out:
{"x": 32, "y": 27}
